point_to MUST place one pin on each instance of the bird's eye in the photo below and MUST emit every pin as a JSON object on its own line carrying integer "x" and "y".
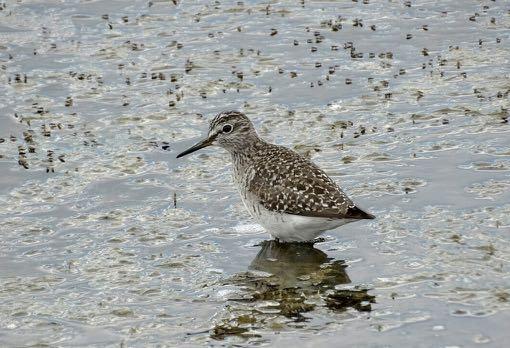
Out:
{"x": 227, "y": 128}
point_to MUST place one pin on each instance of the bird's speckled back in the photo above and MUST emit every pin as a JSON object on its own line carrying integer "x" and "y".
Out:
{"x": 284, "y": 181}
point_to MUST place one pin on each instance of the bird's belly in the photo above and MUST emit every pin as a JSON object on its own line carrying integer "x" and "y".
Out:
{"x": 290, "y": 227}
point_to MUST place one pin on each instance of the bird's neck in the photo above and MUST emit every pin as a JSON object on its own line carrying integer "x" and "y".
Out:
{"x": 245, "y": 152}
{"x": 246, "y": 146}
{"x": 244, "y": 161}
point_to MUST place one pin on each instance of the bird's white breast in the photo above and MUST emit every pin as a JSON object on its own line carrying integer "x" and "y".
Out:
{"x": 290, "y": 227}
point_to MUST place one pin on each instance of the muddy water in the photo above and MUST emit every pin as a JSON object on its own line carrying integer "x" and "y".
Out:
{"x": 107, "y": 240}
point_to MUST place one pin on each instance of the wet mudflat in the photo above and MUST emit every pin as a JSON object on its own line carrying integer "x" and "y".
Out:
{"x": 107, "y": 240}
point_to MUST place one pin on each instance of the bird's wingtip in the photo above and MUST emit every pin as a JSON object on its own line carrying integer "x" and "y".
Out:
{"x": 357, "y": 213}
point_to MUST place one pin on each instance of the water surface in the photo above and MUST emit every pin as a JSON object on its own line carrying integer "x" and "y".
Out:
{"x": 108, "y": 240}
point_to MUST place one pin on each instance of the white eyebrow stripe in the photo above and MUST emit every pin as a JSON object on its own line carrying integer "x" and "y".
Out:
{"x": 222, "y": 116}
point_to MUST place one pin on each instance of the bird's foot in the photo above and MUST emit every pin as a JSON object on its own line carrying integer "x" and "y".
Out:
{"x": 311, "y": 242}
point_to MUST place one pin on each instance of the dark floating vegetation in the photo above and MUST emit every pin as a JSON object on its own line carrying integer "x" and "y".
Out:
{"x": 357, "y": 299}
{"x": 297, "y": 279}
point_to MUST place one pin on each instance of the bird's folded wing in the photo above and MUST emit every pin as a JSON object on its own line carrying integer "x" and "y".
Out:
{"x": 288, "y": 183}
{"x": 314, "y": 196}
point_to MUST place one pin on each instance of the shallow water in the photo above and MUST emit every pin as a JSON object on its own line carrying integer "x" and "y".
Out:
{"x": 107, "y": 240}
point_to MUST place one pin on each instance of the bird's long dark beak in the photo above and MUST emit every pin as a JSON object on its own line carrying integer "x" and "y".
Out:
{"x": 197, "y": 146}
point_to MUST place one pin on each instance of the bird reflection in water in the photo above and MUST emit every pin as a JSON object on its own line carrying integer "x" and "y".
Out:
{"x": 284, "y": 281}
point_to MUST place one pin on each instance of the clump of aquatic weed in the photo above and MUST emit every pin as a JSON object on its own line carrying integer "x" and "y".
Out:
{"x": 357, "y": 299}
{"x": 294, "y": 281}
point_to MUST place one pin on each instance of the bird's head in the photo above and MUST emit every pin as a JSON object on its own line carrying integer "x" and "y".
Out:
{"x": 230, "y": 130}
